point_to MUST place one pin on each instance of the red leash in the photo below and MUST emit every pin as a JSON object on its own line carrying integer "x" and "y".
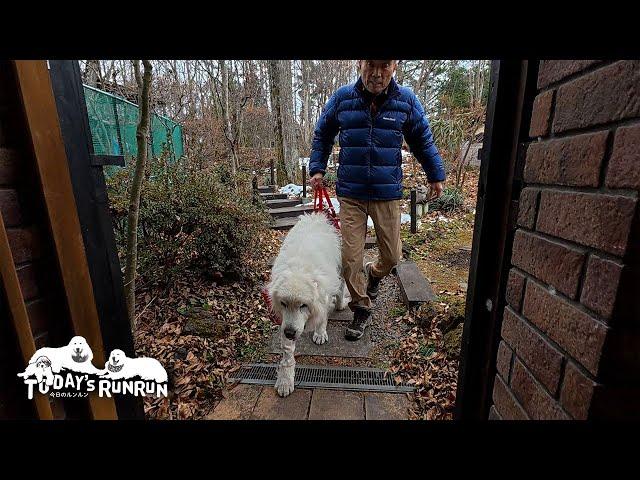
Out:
{"x": 319, "y": 194}
{"x": 267, "y": 299}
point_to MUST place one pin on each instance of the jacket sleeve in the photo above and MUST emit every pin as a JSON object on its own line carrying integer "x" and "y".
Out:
{"x": 418, "y": 135}
{"x": 323, "y": 137}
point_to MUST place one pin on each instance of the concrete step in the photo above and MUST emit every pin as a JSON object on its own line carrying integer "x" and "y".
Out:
{"x": 284, "y": 212}
{"x": 414, "y": 287}
{"x": 267, "y": 189}
{"x": 273, "y": 196}
{"x": 287, "y": 202}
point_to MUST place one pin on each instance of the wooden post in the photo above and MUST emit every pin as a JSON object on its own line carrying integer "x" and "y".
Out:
{"x": 19, "y": 316}
{"x": 304, "y": 181}
{"x": 53, "y": 171}
{"x": 273, "y": 178}
{"x": 254, "y": 182}
{"x": 414, "y": 213}
{"x": 90, "y": 191}
{"x": 511, "y": 95}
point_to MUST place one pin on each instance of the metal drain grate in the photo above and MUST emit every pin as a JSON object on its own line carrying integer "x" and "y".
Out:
{"x": 315, "y": 376}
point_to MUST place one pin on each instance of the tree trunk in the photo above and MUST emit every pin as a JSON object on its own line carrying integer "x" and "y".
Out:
{"x": 142, "y": 135}
{"x": 227, "y": 118}
{"x": 307, "y": 128}
{"x": 400, "y": 73}
{"x": 93, "y": 73}
{"x": 288, "y": 121}
{"x": 276, "y": 101}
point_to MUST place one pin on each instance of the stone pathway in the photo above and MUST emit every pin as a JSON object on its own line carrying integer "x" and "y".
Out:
{"x": 257, "y": 402}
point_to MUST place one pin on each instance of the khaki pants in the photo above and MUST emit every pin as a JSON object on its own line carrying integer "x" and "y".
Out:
{"x": 353, "y": 224}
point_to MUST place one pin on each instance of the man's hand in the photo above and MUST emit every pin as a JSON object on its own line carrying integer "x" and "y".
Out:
{"x": 435, "y": 190}
{"x": 317, "y": 181}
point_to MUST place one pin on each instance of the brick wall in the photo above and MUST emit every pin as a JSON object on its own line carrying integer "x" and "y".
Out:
{"x": 570, "y": 338}
{"x": 23, "y": 212}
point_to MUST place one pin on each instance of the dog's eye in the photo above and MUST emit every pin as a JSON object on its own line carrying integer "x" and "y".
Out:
{"x": 283, "y": 304}
{"x": 304, "y": 305}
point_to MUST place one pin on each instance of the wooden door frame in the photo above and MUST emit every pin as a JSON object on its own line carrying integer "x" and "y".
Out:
{"x": 512, "y": 91}
{"x": 90, "y": 191}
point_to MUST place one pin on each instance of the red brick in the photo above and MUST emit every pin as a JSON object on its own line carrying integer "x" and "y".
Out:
{"x": 549, "y": 261}
{"x": 577, "y": 392}
{"x": 39, "y": 315}
{"x": 10, "y": 207}
{"x": 503, "y": 361}
{"x": 506, "y": 405}
{"x": 597, "y": 220}
{"x": 515, "y": 289}
{"x": 575, "y": 331}
{"x": 551, "y": 71}
{"x": 541, "y": 115}
{"x": 605, "y": 95}
{"x": 527, "y": 207}
{"x": 601, "y": 286}
{"x": 571, "y": 161}
{"x": 28, "y": 281}
{"x": 9, "y": 163}
{"x": 534, "y": 399}
{"x": 24, "y": 243}
{"x": 624, "y": 165}
{"x": 542, "y": 359}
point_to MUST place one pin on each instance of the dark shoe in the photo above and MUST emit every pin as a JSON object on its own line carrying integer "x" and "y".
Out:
{"x": 361, "y": 320}
{"x": 373, "y": 283}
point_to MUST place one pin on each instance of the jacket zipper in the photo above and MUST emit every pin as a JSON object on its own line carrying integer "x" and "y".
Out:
{"x": 373, "y": 118}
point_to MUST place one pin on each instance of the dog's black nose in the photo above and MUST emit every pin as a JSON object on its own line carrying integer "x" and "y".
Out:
{"x": 290, "y": 333}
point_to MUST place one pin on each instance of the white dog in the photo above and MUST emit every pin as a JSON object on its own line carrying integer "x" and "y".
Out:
{"x": 306, "y": 285}
{"x": 120, "y": 366}
{"x": 76, "y": 356}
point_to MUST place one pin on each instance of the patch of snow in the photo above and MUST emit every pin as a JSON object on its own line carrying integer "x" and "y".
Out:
{"x": 291, "y": 189}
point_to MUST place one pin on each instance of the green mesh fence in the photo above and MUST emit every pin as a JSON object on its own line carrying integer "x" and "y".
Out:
{"x": 113, "y": 122}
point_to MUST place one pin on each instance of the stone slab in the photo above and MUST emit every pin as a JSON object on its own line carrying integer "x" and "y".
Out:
{"x": 336, "y": 346}
{"x": 386, "y": 406}
{"x": 336, "y": 405}
{"x": 271, "y": 406}
{"x": 238, "y": 403}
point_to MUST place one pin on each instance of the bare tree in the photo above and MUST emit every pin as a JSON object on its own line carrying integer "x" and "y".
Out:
{"x": 142, "y": 136}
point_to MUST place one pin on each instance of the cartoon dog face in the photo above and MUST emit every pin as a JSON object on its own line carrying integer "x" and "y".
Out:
{"x": 80, "y": 350}
{"x": 116, "y": 361}
{"x": 43, "y": 371}
{"x": 43, "y": 363}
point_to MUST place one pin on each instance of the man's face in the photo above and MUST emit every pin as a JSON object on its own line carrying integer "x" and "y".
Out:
{"x": 376, "y": 74}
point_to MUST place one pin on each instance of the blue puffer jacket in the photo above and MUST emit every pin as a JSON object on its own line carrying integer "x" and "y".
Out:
{"x": 370, "y": 148}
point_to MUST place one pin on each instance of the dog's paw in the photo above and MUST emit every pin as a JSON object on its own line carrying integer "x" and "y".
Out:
{"x": 284, "y": 386}
{"x": 320, "y": 338}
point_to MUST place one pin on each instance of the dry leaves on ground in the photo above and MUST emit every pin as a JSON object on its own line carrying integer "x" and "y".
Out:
{"x": 231, "y": 324}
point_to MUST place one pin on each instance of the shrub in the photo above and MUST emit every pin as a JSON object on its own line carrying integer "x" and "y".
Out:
{"x": 190, "y": 220}
{"x": 451, "y": 199}
{"x": 330, "y": 179}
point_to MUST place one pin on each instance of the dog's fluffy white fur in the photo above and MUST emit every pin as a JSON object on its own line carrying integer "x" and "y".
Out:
{"x": 120, "y": 366}
{"x": 76, "y": 356}
{"x": 306, "y": 285}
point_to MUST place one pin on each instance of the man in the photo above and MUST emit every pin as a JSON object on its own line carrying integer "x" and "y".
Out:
{"x": 372, "y": 116}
